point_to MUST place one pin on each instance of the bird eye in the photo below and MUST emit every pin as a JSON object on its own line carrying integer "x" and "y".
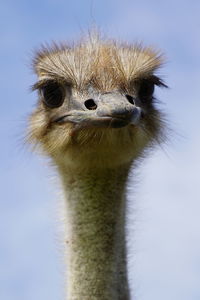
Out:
{"x": 53, "y": 94}
{"x": 146, "y": 90}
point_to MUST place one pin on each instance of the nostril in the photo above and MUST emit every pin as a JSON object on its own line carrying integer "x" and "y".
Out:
{"x": 90, "y": 104}
{"x": 130, "y": 99}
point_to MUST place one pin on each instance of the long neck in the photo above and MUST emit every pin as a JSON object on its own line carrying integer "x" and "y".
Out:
{"x": 96, "y": 234}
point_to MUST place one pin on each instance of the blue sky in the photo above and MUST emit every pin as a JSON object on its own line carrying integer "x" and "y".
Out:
{"x": 164, "y": 205}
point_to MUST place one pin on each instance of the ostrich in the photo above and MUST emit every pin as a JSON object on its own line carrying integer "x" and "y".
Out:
{"x": 96, "y": 117}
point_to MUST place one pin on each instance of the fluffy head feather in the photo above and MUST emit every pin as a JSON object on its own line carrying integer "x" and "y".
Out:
{"x": 105, "y": 64}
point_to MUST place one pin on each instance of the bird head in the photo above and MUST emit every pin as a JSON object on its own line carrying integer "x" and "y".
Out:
{"x": 96, "y": 102}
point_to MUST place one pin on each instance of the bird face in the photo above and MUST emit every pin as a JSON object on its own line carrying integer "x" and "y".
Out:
{"x": 104, "y": 116}
{"x": 92, "y": 109}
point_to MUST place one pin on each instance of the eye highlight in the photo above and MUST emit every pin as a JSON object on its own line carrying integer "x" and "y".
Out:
{"x": 53, "y": 94}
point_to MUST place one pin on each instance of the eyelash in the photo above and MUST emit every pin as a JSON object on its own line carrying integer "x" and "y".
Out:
{"x": 147, "y": 87}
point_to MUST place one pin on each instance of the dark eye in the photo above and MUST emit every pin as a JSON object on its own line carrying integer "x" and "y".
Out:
{"x": 146, "y": 90}
{"x": 53, "y": 94}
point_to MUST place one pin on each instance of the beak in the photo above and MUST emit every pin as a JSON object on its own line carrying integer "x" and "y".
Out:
{"x": 108, "y": 110}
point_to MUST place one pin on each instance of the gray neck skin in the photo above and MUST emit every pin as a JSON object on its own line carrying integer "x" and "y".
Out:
{"x": 96, "y": 234}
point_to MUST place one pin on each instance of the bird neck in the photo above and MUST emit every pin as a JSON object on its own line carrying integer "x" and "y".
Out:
{"x": 96, "y": 233}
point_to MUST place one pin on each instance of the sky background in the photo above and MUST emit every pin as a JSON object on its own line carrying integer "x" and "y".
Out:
{"x": 164, "y": 205}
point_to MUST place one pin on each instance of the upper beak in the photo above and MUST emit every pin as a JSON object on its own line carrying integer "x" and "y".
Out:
{"x": 121, "y": 116}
